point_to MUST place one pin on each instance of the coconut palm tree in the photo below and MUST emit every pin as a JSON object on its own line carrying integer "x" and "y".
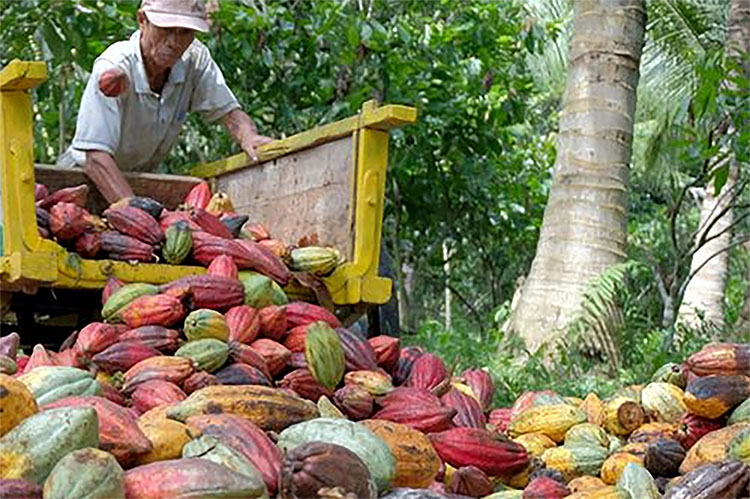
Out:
{"x": 584, "y": 227}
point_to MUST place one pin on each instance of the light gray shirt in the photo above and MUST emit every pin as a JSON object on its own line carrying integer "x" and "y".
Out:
{"x": 139, "y": 127}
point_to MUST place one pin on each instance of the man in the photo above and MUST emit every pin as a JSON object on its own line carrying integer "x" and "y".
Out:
{"x": 140, "y": 92}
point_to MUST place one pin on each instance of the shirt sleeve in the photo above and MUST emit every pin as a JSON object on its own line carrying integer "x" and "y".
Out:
{"x": 99, "y": 116}
{"x": 211, "y": 95}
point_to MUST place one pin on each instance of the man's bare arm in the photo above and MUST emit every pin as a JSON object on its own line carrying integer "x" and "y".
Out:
{"x": 102, "y": 169}
{"x": 243, "y": 131}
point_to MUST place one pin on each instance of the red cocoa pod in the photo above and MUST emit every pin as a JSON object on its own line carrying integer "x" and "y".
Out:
{"x": 491, "y": 453}
{"x": 297, "y": 361}
{"x": 136, "y": 223}
{"x": 198, "y": 380}
{"x": 246, "y": 438}
{"x": 113, "y": 82}
{"x": 68, "y": 221}
{"x": 223, "y": 265}
{"x": 69, "y": 357}
{"x": 405, "y": 394}
{"x": 40, "y": 192}
{"x": 272, "y": 322}
{"x": 39, "y": 357}
{"x": 21, "y": 362}
{"x": 121, "y": 247}
{"x": 244, "y": 354}
{"x": 406, "y": 358}
{"x": 159, "y": 337}
{"x": 112, "y": 394}
{"x": 275, "y": 354}
{"x": 355, "y": 402}
{"x": 258, "y": 231}
{"x": 305, "y": 385}
{"x": 723, "y": 359}
{"x": 98, "y": 336}
{"x": 77, "y": 195}
{"x": 172, "y": 217}
{"x": 470, "y": 481}
{"x": 358, "y": 352}
{"x": 88, "y": 244}
{"x": 468, "y": 411}
{"x": 119, "y": 433}
{"x": 210, "y": 223}
{"x": 154, "y": 393}
{"x": 295, "y": 339}
{"x": 429, "y": 372}
{"x": 174, "y": 369}
{"x": 386, "y": 350}
{"x": 500, "y": 418}
{"x": 481, "y": 384}
{"x": 210, "y": 291}
{"x": 243, "y": 322}
{"x": 426, "y": 418}
{"x": 152, "y": 310}
{"x": 121, "y": 356}
{"x": 693, "y": 427}
{"x": 199, "y": 196}
{"x": 265, "y": 262}
{"x": 9, "y": 345}
{"x": 112, "y": 285}
{"x": 17, "y": 488}
{"x": 299, "y": 313}
{"x": 242, "y": 374}
{"x": 544, "y": 487}
{"x": 186, "y": 477}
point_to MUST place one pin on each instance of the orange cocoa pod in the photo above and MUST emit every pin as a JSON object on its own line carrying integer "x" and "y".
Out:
{"x": 244, "y": 323}
{"x": 223, "y": 265}
{"x": 172, "y": 369}
{"x": 153, "y": 310}
{"x": 77, "y": 195}
{"x": 154, "y": 393}
{"x": 199, "y": 196}
{"x": 136, "y": 223}
{"x": 273, "y": 322}
{"x": 119, "y": 433}
{"x": 275, "y": 354}
{"x": 68, "y": 221}
{"x": 725, "y": 359}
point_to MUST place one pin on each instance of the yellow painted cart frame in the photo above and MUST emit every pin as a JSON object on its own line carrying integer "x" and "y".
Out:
{"x": 28, "y": 261}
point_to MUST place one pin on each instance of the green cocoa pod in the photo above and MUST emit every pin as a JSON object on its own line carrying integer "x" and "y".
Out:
{"x": 324, "y": 355}
{"x": 209, "y": 354}
{"x": 86, "y": 474}
{"x": 123, "y": 296}
{"x": 177, "y": 242}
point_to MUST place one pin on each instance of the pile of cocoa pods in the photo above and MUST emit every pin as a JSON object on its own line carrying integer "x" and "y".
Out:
{"x": 140, "y": 229}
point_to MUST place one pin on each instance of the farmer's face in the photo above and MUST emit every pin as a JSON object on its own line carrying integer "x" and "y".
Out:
{"x": 163, "y": 46}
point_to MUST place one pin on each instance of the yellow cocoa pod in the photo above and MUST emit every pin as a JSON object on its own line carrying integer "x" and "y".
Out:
{"x": 552, "y": 420}
{"x": 16, "y": 403}
{"x": 535, "y": 443}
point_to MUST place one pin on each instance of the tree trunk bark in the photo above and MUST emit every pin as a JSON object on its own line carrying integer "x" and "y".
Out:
{"x": 704, "y": 294}
{"x": 585, "y": 222}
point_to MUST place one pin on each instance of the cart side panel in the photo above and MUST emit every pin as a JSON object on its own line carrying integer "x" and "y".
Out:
{"x": 309, "y": 191}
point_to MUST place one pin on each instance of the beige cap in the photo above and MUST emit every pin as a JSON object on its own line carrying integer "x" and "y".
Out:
{"x": 189, "y": 14}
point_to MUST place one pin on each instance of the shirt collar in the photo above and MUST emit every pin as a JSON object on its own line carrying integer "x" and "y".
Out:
{"x": 176, "y": 74}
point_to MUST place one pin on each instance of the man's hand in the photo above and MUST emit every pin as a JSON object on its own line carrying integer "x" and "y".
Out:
{"x": 252, "y": 142}
{"x": 113, "y": 82}
{"x": 243, "y": 131}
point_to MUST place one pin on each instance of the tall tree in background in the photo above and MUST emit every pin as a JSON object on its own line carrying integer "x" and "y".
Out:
{"x": 585, "y": 221}
{"x": 704, "y": 295}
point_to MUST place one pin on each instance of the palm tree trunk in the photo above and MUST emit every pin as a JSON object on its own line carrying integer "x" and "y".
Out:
{"x": 585, "y": 221}
{"x": 704, "y": 294}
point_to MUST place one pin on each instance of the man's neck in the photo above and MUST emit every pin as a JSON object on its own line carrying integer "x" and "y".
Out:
{"x": 156, "y": 75}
